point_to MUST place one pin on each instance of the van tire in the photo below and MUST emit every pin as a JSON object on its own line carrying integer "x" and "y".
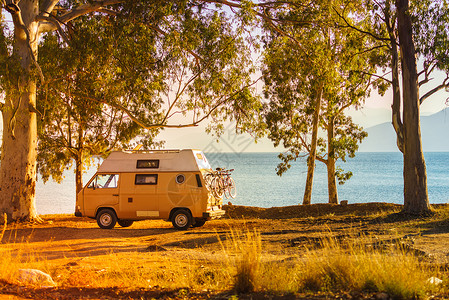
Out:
{"x": 182, "y": 219}
{"x": 125, "y": 223}
{"x": 106, "y": 218}
{"x": 199, "y": 222}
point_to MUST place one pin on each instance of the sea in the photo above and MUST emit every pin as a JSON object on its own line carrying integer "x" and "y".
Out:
{"x": 377, "y": 177}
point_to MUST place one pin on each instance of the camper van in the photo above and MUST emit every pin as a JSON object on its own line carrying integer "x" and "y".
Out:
{"x": 150, "y": 184}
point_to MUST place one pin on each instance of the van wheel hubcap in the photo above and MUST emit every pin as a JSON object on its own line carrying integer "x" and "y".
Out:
{"x": 181, "y": 220}
{"x": 105, "y": 219}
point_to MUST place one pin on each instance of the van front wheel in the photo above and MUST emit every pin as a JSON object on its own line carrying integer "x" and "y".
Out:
{"x": 106, "y": 219}
{"x": 182, "y": 219}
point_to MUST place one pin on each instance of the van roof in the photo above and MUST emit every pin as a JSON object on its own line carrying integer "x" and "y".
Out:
{"x": 154, "y": 161}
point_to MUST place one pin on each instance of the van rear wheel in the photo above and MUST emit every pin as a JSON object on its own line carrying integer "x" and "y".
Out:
{"x": 125, "y": 223}
{"x": 106, "y": 218}
{"x": 182, "y": 219}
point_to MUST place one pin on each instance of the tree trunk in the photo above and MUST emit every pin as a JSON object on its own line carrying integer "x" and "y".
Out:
{"x": 396, "y": 106}
{"x": 331, "y": 181}
{"x": 79, "y": 168}
{"x": 312, "y": 154}
{"x": 396, "y": 119}
{"x": 415, "y": 178}
{"x": 79, "y": 174}
{"x": 19, "y": 145}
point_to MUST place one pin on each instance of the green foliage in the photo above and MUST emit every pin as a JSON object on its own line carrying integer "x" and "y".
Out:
{"x": 307, "y": 55}
{"x": 431, "y": 34}
{"x": 78, "y": 118}
{"x": 136, "y": 70}
{"x": 9, "y": 63}
{"x": 342, "y": 176}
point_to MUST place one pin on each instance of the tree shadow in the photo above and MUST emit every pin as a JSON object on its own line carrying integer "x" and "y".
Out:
{"x": 401, "y": 217}
{"x": 62, "y": 233}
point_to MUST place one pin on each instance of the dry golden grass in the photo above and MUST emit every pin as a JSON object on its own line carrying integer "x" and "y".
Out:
{"x": 352, "y": 266}
{"x": 334, "y": 266}
{"x": 243, "y": 252}
{"x": 242, "y": 261}
{"x": 137, "y": 270}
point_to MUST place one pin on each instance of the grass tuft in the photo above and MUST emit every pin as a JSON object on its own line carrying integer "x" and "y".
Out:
{"x": 244, "y": 252}
{"x": 339, "y": 265}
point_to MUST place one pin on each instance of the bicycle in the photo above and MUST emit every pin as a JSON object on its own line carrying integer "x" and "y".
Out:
{"x": 221, "y": 183}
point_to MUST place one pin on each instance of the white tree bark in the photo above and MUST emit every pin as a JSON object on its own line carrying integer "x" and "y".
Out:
{"x": 19, "y": 147}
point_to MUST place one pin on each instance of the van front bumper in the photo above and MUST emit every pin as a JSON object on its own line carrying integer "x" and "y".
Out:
{"x": 213, "y": 214}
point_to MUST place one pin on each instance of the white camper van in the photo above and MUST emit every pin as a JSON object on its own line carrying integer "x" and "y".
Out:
{"x": 156, "y": 184}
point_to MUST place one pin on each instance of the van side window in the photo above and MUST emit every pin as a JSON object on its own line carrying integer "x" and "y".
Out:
{"x": 146, "y": 179}
{"x": 148, "y": 164}
{"x": 105, "y": 181}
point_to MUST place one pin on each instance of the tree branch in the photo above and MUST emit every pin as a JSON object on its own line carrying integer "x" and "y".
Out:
{"x": 23, "y": 33}
{"x": 321, "y": 159}
{"x": 179, "y": 93}
{"x": 270, "y": 22}
{"x": 157, "y": 29}
{"x": 358, "y": 29}
{"x": 50, "y": 24}
{"x": 47, "y": 7}
{"x": 87, "y": 8}
{"x": 108, "y": 11}
{"x": 427, "y": 70}
{"x": 162, "y": 124}
{"x": 268, "y": 19}
{"x": 374, "y": 75}
{"x": 445, "y": 84}
{"x": 304, "y": 143}
{"x": 369, "y": 50}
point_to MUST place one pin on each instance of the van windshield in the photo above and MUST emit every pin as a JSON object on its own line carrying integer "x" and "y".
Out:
{"x": 105, "y": 181}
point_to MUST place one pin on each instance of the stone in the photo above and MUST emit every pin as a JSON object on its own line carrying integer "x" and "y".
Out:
{"x": 382, "y": 296}
{"x": 435, "y": 281}
{"x": 35, "y": 277}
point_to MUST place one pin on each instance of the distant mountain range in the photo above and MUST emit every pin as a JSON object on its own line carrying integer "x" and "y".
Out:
{"x": 381, "y": 138}
{"x": 434, "y": 132}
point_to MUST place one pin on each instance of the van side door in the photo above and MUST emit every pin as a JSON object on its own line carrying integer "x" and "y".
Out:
{"x": 139, "y": 196}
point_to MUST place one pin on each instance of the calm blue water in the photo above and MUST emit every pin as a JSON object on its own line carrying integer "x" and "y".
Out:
{"x": 377, "y": 178}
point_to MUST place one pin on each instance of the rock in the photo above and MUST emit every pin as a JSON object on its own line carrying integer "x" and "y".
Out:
{"x": 35, "y": 277}
{"x": 382, "y": 296}
{"x": 344, "y": 202}
{"x": 435, "y": 281}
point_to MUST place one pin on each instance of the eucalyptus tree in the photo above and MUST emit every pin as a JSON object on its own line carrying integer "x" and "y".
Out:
{"x": 309, "y": 81}
{"x": 74, "y": 128}
{"x": 208, "y": 63}
{"x": 407, "y": 33}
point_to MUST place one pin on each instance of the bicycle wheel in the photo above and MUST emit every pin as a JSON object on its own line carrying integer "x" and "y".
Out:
{"x": 231, "y": 190}
{"x": 208, "y": 178}
{"x": 217, "y": 191}
{"x": 226, "y": 190}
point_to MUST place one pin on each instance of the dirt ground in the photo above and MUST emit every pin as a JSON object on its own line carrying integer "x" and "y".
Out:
{"x": 287, "y": 230}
